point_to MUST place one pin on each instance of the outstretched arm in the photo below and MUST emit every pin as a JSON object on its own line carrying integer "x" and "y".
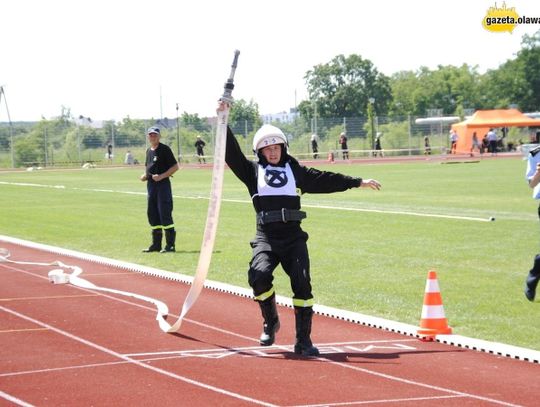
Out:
{"x": 312, "y": 180}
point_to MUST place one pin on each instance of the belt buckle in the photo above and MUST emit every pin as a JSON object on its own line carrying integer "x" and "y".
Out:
{"x": 283, "y": 217}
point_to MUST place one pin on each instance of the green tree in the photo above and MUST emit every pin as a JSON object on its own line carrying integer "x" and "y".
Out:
{"x": 31, "y": 148}
{"x": 129, "y": 132}
{"x": 449, "y": 88}
{"x": 194, "y": 122}
{"x": 244, "y": 116}
{"x": 90, "y": 137}
{"x": 499, "y": 86}
{"x": 528, "y": 93}
{"x": 27, "y": 151}
{"x": 343, "y": 87}
{"x": 404, "y": 85}
{"x": 516, "y": 82}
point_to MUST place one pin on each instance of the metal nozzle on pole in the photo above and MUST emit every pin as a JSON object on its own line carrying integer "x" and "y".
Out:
{"x": 229, "y": 85}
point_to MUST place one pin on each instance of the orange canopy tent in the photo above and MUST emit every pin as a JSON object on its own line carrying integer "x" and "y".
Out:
{"x": 482, "y": 120}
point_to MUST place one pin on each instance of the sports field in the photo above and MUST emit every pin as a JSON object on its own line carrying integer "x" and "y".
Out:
{"x": 370, "y": 251}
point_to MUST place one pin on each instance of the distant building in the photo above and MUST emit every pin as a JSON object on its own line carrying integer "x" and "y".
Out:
{"x": 88, "y": 122}
{"x": 282, "y": 117}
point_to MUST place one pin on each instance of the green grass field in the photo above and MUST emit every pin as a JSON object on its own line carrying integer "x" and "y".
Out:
{"x": 370, "y": 250}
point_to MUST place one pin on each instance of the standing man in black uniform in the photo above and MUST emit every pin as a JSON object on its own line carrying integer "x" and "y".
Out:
{"x": 199, "y": 145}
{"x": 344, "y": 146}
{"x": 160, "y": 166}
{"x": 272, "y": 182}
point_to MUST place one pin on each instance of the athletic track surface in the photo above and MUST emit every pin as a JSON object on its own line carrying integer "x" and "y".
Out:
{"x": 68, "y": 346}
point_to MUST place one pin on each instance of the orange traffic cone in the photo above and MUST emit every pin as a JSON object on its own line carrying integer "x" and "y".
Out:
{"x": 433, "y": 322}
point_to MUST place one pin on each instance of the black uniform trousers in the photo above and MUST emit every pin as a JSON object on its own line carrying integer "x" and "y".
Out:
{"x": 291, "y": 252}
{"x": 160, "y": 204}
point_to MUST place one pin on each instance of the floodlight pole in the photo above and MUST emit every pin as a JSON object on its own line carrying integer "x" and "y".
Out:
{"x": 79, "y": 139}
{"x": 314, "y": 119}
{"x": 178, "y": 133}
{"x": 46, "y": 148}
{"x": 371, "y": 113}
{"x": 2, "y": 92}
{"x": 112, "y": 137}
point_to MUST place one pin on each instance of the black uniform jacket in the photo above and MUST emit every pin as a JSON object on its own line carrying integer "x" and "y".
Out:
{"x": 304, "y": 180}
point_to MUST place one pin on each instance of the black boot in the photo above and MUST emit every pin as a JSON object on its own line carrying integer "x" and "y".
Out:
{"x": 157, "y": 235}
{"x": 271, "y": 321}
{"x": 532, "y": 279}
{"x": 170, "y": 239}
{"x": 304, "y": 346}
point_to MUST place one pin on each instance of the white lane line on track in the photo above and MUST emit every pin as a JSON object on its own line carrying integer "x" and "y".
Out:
{"x": 63, "y": 368}
{"x": 152, "y": 356}
{"x": 135, "y": 362}
{"x": 120, "y": 299}
{"x": 14, "y": 400}
{"x": 494, "y": 348}
{"x": 381, "y": 401}
{"x": 419, "y": 384}
{"x": 285, "y": 348}
{"x": 334, "y": 208}
{"x": 428, "y": 215}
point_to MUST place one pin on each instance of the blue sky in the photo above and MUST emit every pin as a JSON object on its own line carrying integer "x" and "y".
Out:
{"x": 110, "y": 59}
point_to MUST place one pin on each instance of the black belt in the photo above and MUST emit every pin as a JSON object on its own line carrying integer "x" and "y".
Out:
{"x": 284, "y": 215}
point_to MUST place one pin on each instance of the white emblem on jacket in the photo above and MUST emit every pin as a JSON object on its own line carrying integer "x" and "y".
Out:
{"x": 276, "y": 181}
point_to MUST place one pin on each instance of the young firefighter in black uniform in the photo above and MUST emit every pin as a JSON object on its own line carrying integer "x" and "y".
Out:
{"x": 160, "y": 165}
{"x": 272, "y": 183}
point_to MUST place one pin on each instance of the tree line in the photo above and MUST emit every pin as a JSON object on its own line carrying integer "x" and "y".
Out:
{"x": 345, "y": 87}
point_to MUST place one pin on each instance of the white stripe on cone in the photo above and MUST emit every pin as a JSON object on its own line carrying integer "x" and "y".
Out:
{"x": 432, "y": 286}
{"x": 432, "y": 311}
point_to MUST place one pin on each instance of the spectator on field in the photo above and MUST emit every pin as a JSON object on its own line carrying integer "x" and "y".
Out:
{"x": 453, "y": 141}
{"x": 533, "y": 178}
{"x": 199, "y": 145}
{"x": 109, "y": 153}
{"x": 378, "y": 148}
{"x": 129, "y": 160}
{"x": 475, "y": 144}
{"x": 492, "y": 141}
{"x": 427, "y": 146}
{"x": 485, "y": 144}
{"x": 344, "y": 146}
{"x": 315, "y": 146}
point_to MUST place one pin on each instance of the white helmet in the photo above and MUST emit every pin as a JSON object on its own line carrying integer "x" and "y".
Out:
{"x": 268, "y": 135}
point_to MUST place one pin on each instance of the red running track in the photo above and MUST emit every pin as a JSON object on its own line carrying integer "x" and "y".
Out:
{"x": 67, "y": 346}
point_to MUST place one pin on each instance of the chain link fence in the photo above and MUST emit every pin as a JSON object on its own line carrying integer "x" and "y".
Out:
{"x": 81, "y": 141}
